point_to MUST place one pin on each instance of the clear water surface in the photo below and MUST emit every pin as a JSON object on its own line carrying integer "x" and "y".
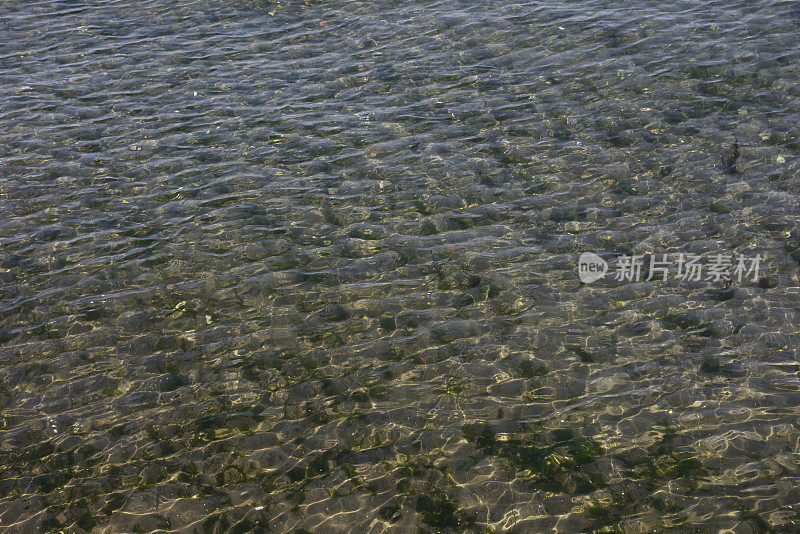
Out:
{"x": 311, "y": 266}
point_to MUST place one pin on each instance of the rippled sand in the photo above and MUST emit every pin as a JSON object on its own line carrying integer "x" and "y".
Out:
{"x": 311, "y": 267}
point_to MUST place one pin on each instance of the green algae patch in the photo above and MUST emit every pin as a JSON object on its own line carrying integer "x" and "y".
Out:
{"x": 528, "y": 369}
{"x": 554, "y": 463}
{"x": 438, "y": 510}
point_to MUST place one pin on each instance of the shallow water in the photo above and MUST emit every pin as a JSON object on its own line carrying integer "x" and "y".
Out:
{"x": 278, "y": 266}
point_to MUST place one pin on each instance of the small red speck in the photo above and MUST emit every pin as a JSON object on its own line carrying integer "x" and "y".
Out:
{"x": 324, "y": 23}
